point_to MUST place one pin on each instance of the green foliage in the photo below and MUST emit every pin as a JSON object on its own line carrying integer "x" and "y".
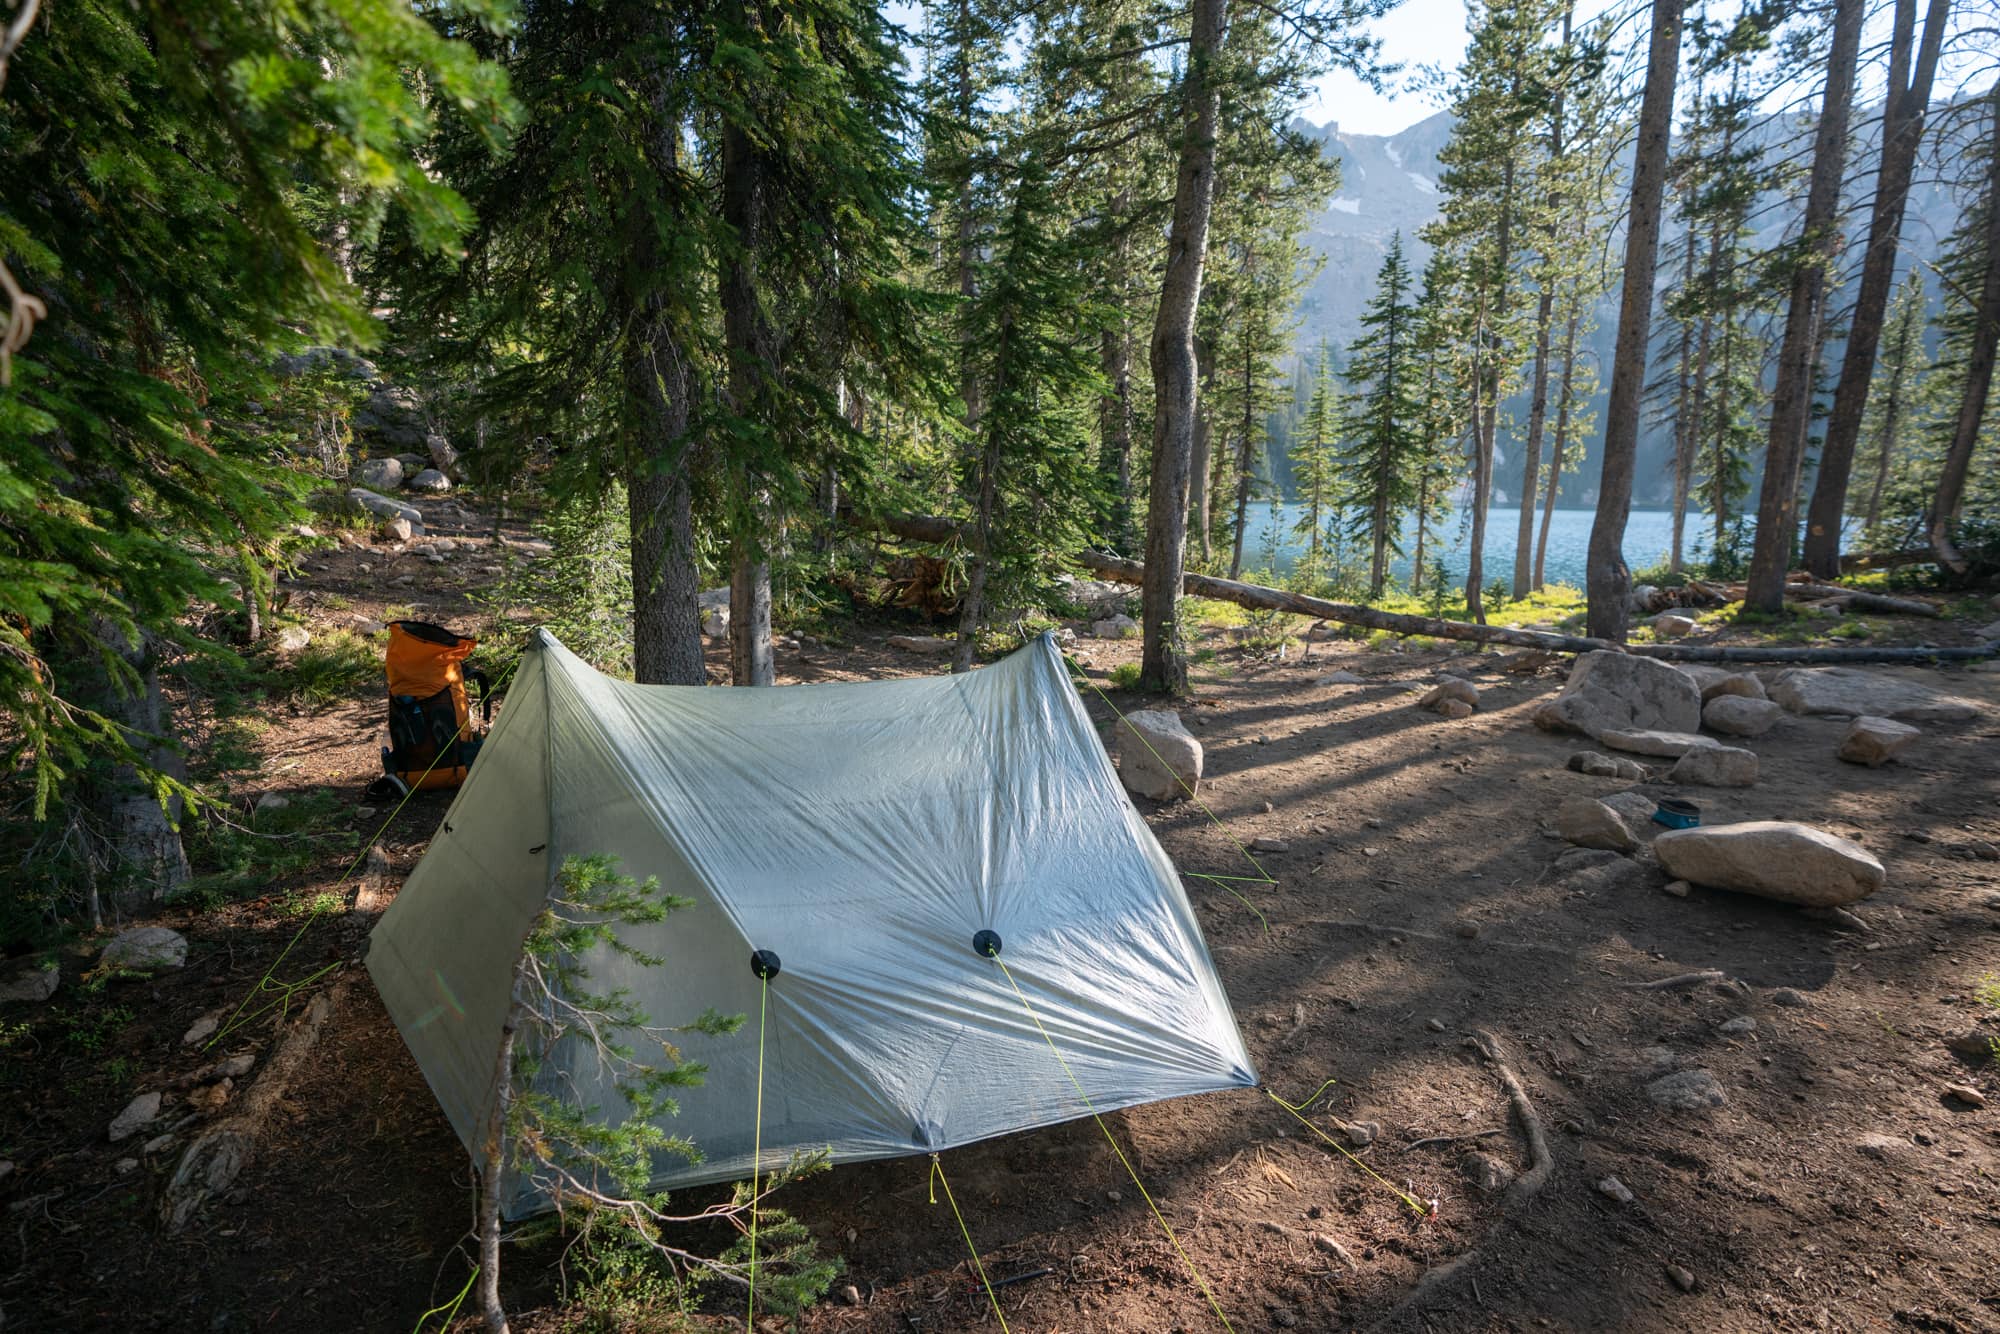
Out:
{"x": 1125, "y": 676}
{"x": 335, "y": 666}
{"x": 597, "y": 1163}
{"x": 158, "y": 146}
{"x": 1382, "y": 419}
{"x": 581, "y": 590}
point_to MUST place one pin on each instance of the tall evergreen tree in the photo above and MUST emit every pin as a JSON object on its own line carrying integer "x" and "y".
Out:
{"x": 1316, "y": 474}
{"x": 1382, "y": 418}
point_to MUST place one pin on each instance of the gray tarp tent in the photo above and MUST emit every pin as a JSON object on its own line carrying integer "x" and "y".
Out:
{"x": 862, "y": 832}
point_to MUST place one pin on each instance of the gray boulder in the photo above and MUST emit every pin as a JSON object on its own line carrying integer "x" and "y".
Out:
{"x": 382, "y": 507}
{"x": 1673, "y": 625}
{"x": 144, "y": 949}
{"x": 33, "y": 984}
{"x": 1715, "y": 766}
{"x": 1849, "y": 691}
{"x": 431, "y": 481}
{"x": 1609, "y": 692}
{"x": 1120, "y": 626}
{"x": 1714, "y": 681}
{"x": 1157, "y": 756}
{"x": 1636, "y": 809}
{"x": 1875, "y": 741}
{"x": 380, "y": 474}
{"x": 1672, "y": 745}
{"x": 1589, "y": 823}
{"x": 442, "y": 455}
{"x": 1773, "y": 859}
{"x": 1739, "y": 715}
{"x": 1450, "y": 690}
{"x": 392, "y": 416}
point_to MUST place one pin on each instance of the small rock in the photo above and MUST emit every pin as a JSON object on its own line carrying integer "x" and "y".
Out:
{"x": 1715, "y": 766}
{"x": 1157, "y": 756}
{"x": 272, "y": 801}
{"x": 1966, "y": 1094}
{"x": 1614, "y": 1189}
{"x": 1456, "y": 708}
{"x": 1978, "y": 1042}
{"x": 1467, "y": 930}
{"x": 1717, "y": 681}
{"x": 1361, "y": 1133}
{"x": 32, "y": 984}
{"x": 305, "y": 530}
{"x": 1736, "y": 715}
{"x": 1448, "y": 690}
{"x": 1269, "y": 845}
{"x": 1686, "y": 1091}
{"x": 1678, "y": 888}
{"x": 1341, "y": 678}
{"x": 1487, "y": 1172}
{"x": 145, "y": 948}
{"x": 1741, "y": 1024}
{"x": 850, "y": 1295}
{"x": 1595, "y": 763}
{"x": 1589, "y": 823}
{"x": 1775, "y": 859}
{"x": 125, "y": 1166}
{"x": 157, "y": 1144}
{"x": 1883, "y": 1148}
{"x": 1120, "y": 626}
{"x": 1434, "y": 1025}
{"x": 1790, "y": 999}
{"x": 396, "y": 530}
{"x": 138, "y": 1112}
{"x": 1875, "y": 741}
{"x": 432, "y": 481}
{"x": 235, "y": 1067}
{"x": 1673, "y": 625}
{"x": 200, "y": 1029}
{"x": 1682, "y": 1279}
{"x": 1113, "y": 1196}
{"x": 291, "y": 638}
{"x": 1669, "y": 744}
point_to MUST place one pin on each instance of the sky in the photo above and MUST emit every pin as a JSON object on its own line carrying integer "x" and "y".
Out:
{"x": 1417, "y": 32}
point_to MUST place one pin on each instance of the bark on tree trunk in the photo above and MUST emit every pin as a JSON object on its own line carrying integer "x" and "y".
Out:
{"x": 751, "y": 345}
{"x": 1489, "y": 424}
{"x": 1684, "y": 426}
{"x": 659, "y": 388}
{"x": 142, "y": 835}
{"x": 1162, "y": 667}
{"x": 1244, "y": 461}
{"x": 1114, "y": 422}
{"x": 1607, "y": 579}
{"x": 1202, "y": 460}
{"x": 1791, "y": 401}
{"x": 1950, "y": 494}
{"x": 1561, "y": 441}
{"x": 1903, "y": 108}
{"x": 1892, "y": 416}
{"x": 1531, "y": 453}
{"x": 493, "y": 1155}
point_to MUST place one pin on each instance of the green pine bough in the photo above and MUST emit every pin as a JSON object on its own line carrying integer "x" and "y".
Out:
{"x": 595, "y": 1164}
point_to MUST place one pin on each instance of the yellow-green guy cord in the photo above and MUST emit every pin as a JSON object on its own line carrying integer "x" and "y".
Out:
{"x": 1165, "y": 1226}
{"x": 1262, "y": 877}
{"x": 1297, "y": 1110}
{"x": 937, "y": 1175}
{"x": 757, "y": 1151}
{"x": 450, "y": 1308}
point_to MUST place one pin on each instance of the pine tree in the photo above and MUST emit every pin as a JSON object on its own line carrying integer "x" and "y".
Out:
{"x": 1382, "y": 417}
{"x": 1315, "y": 472}
{"x": 1894, "y": 415}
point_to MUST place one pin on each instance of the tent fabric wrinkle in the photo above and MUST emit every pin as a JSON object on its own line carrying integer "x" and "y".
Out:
{"x": 862, "y": 832}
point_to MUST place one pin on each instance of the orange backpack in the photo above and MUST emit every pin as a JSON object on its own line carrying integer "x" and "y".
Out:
{"x": 432, "y": 739}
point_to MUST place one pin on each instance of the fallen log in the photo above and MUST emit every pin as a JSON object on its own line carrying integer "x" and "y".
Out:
{"x": 931, "y": 528}
{"x": 1886, "y": 560}
{"x": 1857, "y": 599}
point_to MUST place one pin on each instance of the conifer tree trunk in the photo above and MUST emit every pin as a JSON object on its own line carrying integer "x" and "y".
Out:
{"x": 1903, "y": 111}
{"x": 1531, "y": 453}
{"x": 1489, "y": 421}
{"x": 1607, "y": 577}
{"x": 659, "y": 385}
{"x": 1202, "y": 462}
{"x": 1162, "y": 666}
{"x": 1892, "y": 416}
{"x": 1791, "y": 401}
{"x": 1556, "y": 451}
{"x": 141, "y": 834}
{"x": 750, "y": 344}
{"x": 1684, "y": 424}
{"x": 1114, "y": 419}
{"x": 1950, "y": 494}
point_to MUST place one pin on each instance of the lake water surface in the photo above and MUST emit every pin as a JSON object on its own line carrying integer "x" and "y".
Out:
{"x": 1648, "y": 534}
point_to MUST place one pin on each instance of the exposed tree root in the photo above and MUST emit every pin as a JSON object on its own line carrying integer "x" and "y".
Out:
{"x": 219, "y": 1154}
{"x": 1680, "y": 981}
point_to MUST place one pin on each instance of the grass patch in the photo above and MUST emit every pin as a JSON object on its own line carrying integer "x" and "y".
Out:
{"x": 241, "y": 859}
{"x": 335, "y": 666}
{"x": 1125, "y": 676}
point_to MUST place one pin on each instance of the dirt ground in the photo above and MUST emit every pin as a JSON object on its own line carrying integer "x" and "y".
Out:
{"x": 1417, "y": 904}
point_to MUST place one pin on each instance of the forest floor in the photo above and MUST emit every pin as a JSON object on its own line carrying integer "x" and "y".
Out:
{"x": 1417, "y": 904}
